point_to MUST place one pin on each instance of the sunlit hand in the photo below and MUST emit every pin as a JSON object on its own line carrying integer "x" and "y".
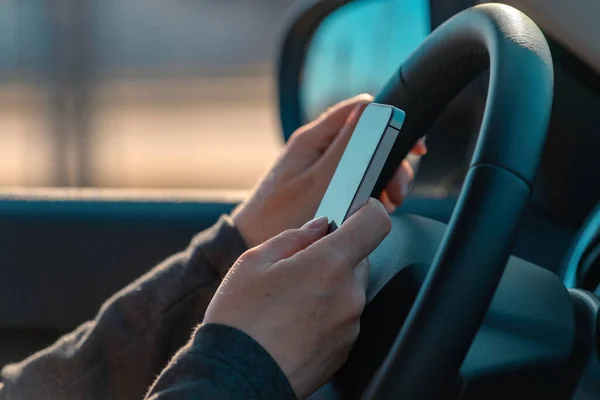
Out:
{"x": 300, "y": 295}
{"x": 289, "y": 195}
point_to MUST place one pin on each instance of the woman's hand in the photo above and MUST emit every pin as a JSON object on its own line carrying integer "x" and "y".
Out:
{"x": 289, "y": 195}
{"x": 300, "y": 295}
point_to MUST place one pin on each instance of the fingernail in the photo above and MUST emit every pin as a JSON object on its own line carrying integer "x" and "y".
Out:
{"x": 366, "y": 97}
{"x": 315, "y": 224}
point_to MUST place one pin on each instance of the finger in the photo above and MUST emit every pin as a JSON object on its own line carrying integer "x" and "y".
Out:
{"x": 362, "y": 274}
{"x": 398, "y": 187}
{"x": 336, "y": 116}
{"x": 420, "y": 148}
{"x": 390, "y": 207}
{"x": 332, "y": 152}
{"x": 350, "y": 243}
{"x": 289, "y": 242}
{"x": 331, "y": 123}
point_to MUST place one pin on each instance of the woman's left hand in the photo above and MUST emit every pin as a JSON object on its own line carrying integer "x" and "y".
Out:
{"x": 289, "y": 195}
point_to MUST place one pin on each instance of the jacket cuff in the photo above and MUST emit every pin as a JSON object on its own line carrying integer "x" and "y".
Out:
{"x": 219, "y": 246}
{"x": 244, "y": 355}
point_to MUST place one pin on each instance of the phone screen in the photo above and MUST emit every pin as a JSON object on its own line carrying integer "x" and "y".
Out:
{"x": 361, "y": 163}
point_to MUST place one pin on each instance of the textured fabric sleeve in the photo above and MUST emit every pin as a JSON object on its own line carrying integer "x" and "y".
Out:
{"x": 223, "y": 363}
{"x": 136, "y": 332}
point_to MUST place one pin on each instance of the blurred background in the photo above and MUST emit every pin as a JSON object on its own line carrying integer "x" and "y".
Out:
{"x": 178, "y": 94}
{"x": 138, "y": 93}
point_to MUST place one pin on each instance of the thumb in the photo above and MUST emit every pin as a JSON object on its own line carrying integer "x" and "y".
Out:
{"x": 290, "y": 242}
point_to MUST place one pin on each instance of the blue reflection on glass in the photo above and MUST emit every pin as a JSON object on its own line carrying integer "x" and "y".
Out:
{"x": 358, "y": 48}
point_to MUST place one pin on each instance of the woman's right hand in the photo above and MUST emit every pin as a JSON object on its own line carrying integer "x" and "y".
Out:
{"x": 301, "y": 294}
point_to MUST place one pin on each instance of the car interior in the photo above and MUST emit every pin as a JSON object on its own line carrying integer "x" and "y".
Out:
{"x": 489, "y": 290}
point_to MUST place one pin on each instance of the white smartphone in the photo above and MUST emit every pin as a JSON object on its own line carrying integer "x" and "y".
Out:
{"x": 361, "y": 164}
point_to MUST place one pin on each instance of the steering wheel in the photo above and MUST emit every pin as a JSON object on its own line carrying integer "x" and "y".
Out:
{"x": 439, "y": 308}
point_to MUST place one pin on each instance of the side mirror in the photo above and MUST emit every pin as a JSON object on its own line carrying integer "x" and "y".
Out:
{"x": 336, "y": 49}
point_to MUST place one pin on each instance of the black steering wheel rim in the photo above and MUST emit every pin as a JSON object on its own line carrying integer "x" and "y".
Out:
{"x": 428, "y": 352}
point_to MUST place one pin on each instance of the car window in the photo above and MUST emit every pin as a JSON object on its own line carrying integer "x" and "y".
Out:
{"x": 137, "y": 93}
{"x": 359, "y": 47}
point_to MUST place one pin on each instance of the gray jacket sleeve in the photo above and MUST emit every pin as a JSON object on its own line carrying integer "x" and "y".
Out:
{"x": 223, "y": 363}
{"x": 137, "y": 331}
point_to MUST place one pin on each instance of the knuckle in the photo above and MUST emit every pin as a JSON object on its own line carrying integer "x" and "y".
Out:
{"x": 297, "y": 133}
{"x": 362, "y": 273}
{"x": 299, "y": 137}
{"x": 354, "y": 332}
{"x": 358, "y": 303}
{"x": 379, "y": 215}
{"x": 365, "y": 265}
{"x": 294, "y": 236}
{"x": 386, "y": 223}
{"x": 250, "y": 256}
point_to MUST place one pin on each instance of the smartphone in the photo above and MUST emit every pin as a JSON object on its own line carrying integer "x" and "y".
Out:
{"x": 361, "y": 164}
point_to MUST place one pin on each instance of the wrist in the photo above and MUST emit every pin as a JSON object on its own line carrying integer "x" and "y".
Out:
{"x": 220, "y": 245}
{"x": 246, "y": 226}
